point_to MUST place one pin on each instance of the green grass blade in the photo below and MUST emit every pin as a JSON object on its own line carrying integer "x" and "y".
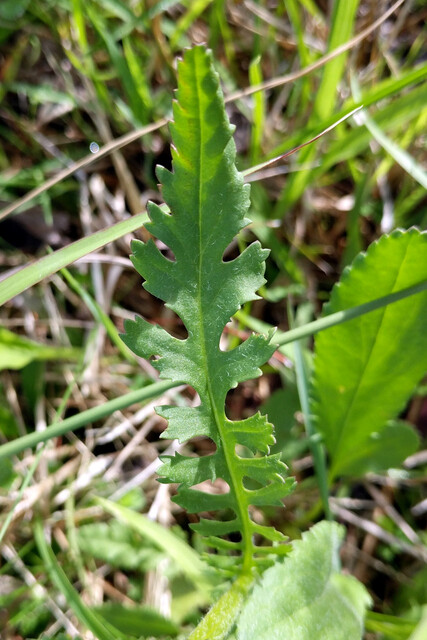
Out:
{"x": 139, "y": 78}
{"x": 99, "y": 315}
{"x": 316, "y": 447}
{"x": 354, "y": 241}
{"x": 385, "y": 89}
{"x": 195, "y": 8}
{"x": 258, "y": 114}
{"x": 118, "y": 9}
{"x": 36, "y": 272}
{"x": 295, "y": 14}
{"x": 344, "y": 13}
{"x": 389, "y": 626}
{"x": 179, "y": 551}
{"x": 355, "y": 141}
{"x": 402, "y": 157}
{"x": 396, "y": 114}
{"x": 121, "y": 67}
{"x": 84, "y": 417}
{"x": 57, "y": 575}
{"x": 343, "y": 16}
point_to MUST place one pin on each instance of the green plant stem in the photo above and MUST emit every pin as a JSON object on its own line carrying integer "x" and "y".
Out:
{"x": 219, "y": 621}
{"x": 314, "y": 439}
{"x": 241, "y": 500}
{"x": 85, "y": 417}
{"x": 282, "y": 338}
{"x": 99, "y": 315}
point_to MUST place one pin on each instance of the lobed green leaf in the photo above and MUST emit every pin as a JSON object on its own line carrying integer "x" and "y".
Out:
{"x": 208, "y": 201}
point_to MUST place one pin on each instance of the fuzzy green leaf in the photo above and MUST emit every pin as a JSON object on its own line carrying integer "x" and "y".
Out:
{"x": 366, "y": 369}
{"x": 306, "y": 597}
{"x": 208, "y": 202}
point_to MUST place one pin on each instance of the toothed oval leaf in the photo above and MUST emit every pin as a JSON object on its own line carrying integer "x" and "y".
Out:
{"x": 352, "y": 357}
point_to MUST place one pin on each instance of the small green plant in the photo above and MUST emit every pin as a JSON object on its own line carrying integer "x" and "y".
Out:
{"x": 208, "y": 201}
{"x": 365, "y": 368}
{"x": 206, "y": 206}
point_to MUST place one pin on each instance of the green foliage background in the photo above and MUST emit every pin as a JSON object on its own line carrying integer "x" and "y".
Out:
{"x": 75, "y": 72}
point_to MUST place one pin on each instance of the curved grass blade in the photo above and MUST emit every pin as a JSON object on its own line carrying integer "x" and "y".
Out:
{"x": 101, "y": 630}
{"x": 84, "y": 417}
{"x": 33, "y": 273}
{"x": 179, "y": 551}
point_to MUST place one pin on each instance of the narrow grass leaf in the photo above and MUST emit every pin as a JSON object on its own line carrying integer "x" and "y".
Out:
{"x": 118, "y": 9}
{"x": 180, "y": 552}
{"x": 120, "y": 65}
{"x": 355, "y": 141}
{"x": 99, "y": 314}
{"x": 195, "y": 9}
{"x": 316, "y": 447}
{"x": 258, "y": 113}
{"x": 341, "y": 28}
{"x": 102, "y": 631}
{"x": 342, "y": 21}
{"x": 402, "y": 157}
{"x": 83, "y": 418}
{"x": 32, "y": 274}
{"x": 396, "y": 114}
